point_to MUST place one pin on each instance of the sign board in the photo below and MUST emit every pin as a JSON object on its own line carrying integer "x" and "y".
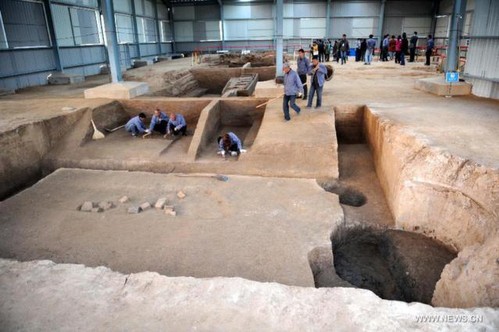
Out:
{"x": 451, "y": 77}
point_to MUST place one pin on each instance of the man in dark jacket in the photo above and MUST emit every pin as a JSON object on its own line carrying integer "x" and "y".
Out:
{"x": 404, "y": 48}
{"x": 344, "y": 49}
{"x": 430, "y": 44}
{"x": 303, "y": 65}
{"x": 412, "y": 46}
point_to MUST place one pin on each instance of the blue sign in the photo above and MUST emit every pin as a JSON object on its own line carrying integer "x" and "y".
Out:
{"x": 451, "y": 77}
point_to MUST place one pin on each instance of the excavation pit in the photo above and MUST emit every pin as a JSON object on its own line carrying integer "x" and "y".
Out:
{"x": 347, "y": 194}
{"x": 394, "y": 264}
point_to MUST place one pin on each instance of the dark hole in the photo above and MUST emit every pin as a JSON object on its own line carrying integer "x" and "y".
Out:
{"x": 348, "y": 195}
{"x": 394, "y": 264}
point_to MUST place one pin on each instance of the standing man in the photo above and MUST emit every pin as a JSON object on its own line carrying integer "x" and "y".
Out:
{"x": 318, "y": 72}
{"x": 357, "y": 50}
{"x": 136, "y": 125}
{"x": 303, "y": 67}
{"x": 292, "y": 88}
{"x": 321, "y": 49}
{"x": 344, "y": 48}
{"x": 159, "y": 122}
{"x": 371, "y": 44}
{"x": 177, "y": 125}
{"x": 412, "y": 46}
{"x": 430, "y": 44}
{"x": 403, "y": 49}
{"x": 386, "y": 42}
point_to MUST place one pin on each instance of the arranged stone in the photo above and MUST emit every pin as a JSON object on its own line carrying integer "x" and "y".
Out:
{"x": 105, "y": 205}
{"x": 97, "y": 209}
{"x": 181, "y": 194}
{"x": 87, "y": 206}
{"x": 160, "y": 203}
{"x": 170, "y": 210}
{"x": 124, "y": 199}
{"x": 145, "y": 206}
{"x": 134, "y": 209}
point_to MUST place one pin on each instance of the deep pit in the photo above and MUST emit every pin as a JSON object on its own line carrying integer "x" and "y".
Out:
{"x": 394, "y": 264}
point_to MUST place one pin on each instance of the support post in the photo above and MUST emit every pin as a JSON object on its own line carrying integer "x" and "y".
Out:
{"x": 222, "y": 31}
{"x": 111, "y": 40}
{"x": 456, "y": 25}
{"x": 435, "y": 10}
{"x": 53, "y": 37}
{"x": 279, "y": 36}
{"x": 135, "y": 28}
{"x": 381, "y": 21}
{"x": 156, "y": 22}
{"x": 172, "y": 28}
{"x": 328, "y": 19}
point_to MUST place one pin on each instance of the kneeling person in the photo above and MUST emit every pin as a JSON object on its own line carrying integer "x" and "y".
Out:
{"x": 136, "y": 125}
{"x": 177, "y": 125}
{"x": 159, "y": 122}
{"x": 230, "y": 143}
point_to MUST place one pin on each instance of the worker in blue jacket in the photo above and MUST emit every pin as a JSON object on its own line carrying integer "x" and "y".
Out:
{"x": 318, "y": 72}
{"x": 177, "y": 125}
{"x": 293, "y": 87}
{"x": 230, "y": 143}
{"x": 159, "y": 122}
{"x": 136, "y": 125}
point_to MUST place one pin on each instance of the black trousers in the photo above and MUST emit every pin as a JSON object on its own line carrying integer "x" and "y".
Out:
{"x": 303, "y": 79}
{"x": 161, "y": 127}
{"x": 428, "y": 56}
{"x": 175, "y": 132}
{"x": 412, "y": 54}
{"x": 234, "y": 148}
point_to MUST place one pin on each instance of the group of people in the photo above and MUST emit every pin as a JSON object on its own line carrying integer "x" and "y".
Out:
{"x": 175, "y": 125}
{"x": 392, "y": 48}
{"x": 324, "y": 48}
{"x": 295, "y": 83}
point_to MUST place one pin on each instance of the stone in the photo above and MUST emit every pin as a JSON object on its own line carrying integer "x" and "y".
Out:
{"x": 134, "y": 209}
{"x": 97, "y": 209}
{"x": 119, "y": 90}
{"x": 181, "y": 194}
{"x": 59, "y": 78}
{"x": 142, "y": 63}
{"x": 87, "y": 206}
{"x": 160, "y": 203}
{"x": 439, "y": 87}
{"x": 170, "y": 210}
{"x": 105, "y": 205}
{"x": 124, "y": 199}
{"x": 145, "y": 206}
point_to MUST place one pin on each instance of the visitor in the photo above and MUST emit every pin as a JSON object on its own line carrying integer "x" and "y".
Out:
{"x": 391, "y": 48}
{"x": 363, "y": 49}
{"x": 384, "y": 49}
{"x": 344, "y": 48}
{"x": 159, "y": 122}
{"x": 398, "y": 49}
{"x": 403, "y": 49}
{"x": 303, "y": 66}
{"x": 328, "y": 50}
{"x": 335, "y": 51}
{"x": 321, "y": 49}
{"x": 136, "y": 125}
{"x": 430, "y": 44}
{"x": 371, "y": 44}
{"x": 357, "y": 50}
{"x": 177, "y": 125}
{"x": 229, "y": 143}
{"x": 412, "y": 46}
{"x": 292, "y": 88}
{"x": 318, "y": 72}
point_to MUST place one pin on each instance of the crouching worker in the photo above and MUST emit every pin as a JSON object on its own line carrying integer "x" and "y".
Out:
{"x": 159, "y": 122}
{"x": 136, "y": 125}
{"x": 177, "y": 125}
{"x": 230, "y": 143}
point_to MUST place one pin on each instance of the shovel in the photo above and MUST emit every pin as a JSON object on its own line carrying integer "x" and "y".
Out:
{"x": 268, "y": 101}
{"x": 219, "y": 177}
{"x": 97, "y": 134}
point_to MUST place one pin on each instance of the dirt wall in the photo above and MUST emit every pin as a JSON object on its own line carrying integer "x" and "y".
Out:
{"x": 208, "y": 125}
{"x": 24, "y": 148}
{"x": 241, "y": 112}
{"x": 444, "y": 196}
{"x": 349, "y": 123}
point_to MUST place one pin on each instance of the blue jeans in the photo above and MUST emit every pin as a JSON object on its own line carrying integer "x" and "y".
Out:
{"x": 285, "y": 107}
{"x": 313, "y": 90}
{"x": 369, "y": 56}
{"x": 343, "y": 57}
{"x": 134, "y": 130}
{"x": 402, "y": 58}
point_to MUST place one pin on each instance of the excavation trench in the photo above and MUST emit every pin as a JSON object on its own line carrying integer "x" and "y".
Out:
{"x": 366, "y": 252}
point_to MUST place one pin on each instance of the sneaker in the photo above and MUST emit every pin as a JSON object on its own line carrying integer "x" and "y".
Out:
{"x": 318, "y": 107}
{"x": 287, "y": 119}
{"x": 308, "y": 107}
{"x": 298, "y": 112}
{"x": 304, "y": 97}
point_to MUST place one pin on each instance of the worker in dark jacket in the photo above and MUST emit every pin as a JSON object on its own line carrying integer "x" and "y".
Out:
{"x": 159, "y": 122}
{"x": 303, "y": 66}
{"x": 318, "y": 72}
